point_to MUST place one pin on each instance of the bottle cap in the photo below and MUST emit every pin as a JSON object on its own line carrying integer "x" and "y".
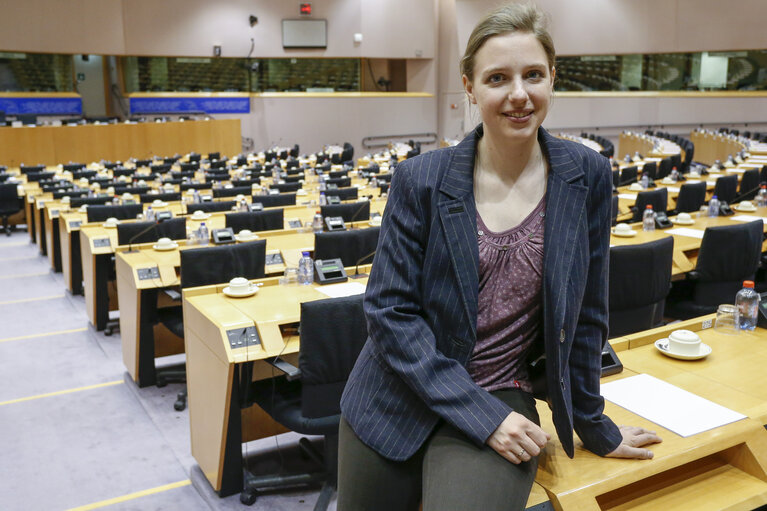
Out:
{"x": 649, "y": 206}
{"x": 748, "y": 284}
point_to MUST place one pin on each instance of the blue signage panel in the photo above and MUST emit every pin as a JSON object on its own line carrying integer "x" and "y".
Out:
{"x": 190, "y": 105}
{"x": 41, "y": 106}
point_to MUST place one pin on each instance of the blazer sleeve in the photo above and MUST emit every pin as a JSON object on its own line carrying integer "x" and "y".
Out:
{"x": 598, "y": 432}
{"x": 396, "y": 324}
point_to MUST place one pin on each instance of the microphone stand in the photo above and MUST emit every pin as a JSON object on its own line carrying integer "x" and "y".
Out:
{"x": 357, "y": 274}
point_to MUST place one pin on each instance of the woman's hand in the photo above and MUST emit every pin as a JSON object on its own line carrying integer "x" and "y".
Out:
{"x": 518, "y": 438}
{"x": 633, "y": 439}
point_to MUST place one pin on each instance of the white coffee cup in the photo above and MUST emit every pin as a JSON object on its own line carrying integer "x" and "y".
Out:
{"x": 622, "y": 228}
{"x": 245, "y": 233}
{"x": 127, "y": 196}
{"x": 746, "y": 205}
{"x": 636, "y": 187}
{"x": 198, "y": 214}
{"x": 684, "y": 342}
{"x": 83, "y": 181}
{"x": 111, "y": 221}
{"x": 164, "y": 242}
{"x": 157, "y": 202}
{"x": 111, "y": 190}
{"x": 239, "y": 197}
{"x": 83, "y": 208}
{"x": 65, "y": 199}
{"x": 239, "y": 285}
{"x": 684, "y": 218}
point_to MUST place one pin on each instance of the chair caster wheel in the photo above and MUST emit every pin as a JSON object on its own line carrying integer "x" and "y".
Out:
{"x": 179, "y": 405}
{"x": 248, "y": 497}
{"x": 108, "y": 331}
{"x": 161, "y": 382}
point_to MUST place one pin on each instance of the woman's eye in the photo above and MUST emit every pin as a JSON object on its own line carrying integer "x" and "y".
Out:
{"x": 535, "y": 74}
{"x": 495, "y": 78}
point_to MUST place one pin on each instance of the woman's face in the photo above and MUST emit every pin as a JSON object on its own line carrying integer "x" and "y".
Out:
{"x": 512, "y": 85}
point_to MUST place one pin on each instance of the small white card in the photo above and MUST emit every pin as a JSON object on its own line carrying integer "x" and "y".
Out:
{"x": 673, "y": 189}
{"x": 629, "y": 196}
{"x": 747, "y": 218}
{"x": 667, "y": 405}
{"x": 343, "y": 289}
{"x": 686, "y": 231}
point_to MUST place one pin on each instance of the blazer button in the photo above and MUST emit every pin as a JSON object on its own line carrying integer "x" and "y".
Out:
{"x": 562, "y": 381}
{"x": 562, "y": 335}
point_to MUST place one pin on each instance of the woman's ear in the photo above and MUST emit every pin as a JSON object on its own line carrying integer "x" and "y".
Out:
{"x": 469, "y": 88}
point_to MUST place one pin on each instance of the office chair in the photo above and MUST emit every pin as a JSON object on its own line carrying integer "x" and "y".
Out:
{"x": 233, "y": 191}
{"x": 728, "y": 255}
{"x": 196, "y": 186}
{"x": 292, "y": 178}
{"x": 148, "y": 198}
{"x": 343, "y": 193}
{"x": 294, "y": 151}
{"x": 352, "y": 247}
{"x": 650, "y": 170}
{"x": 77, "y": 173}
{"x": 31, "y": 169}
{"x": 383, "y": 187}
{"x": 140, "y": 232}
{"x": 214, "y": 156}
{"x": 39, "y": 176}
{"x": 76, "y": 202}
{"x": 285, "y": 187}
{"x": 58, "y": 194}
{"x": 203, "y": 267}
{"x": 640, "y": 279}
{"x": 616, "y": 178}
{"x": 10, "y": 204}
{"x": 216, "y": 177}
{"x": 249, "y": 182}
{"x": 269, "y": 220}
{"x": 133, "y": 190}
{"x": 308, "y": 401}
{"x": 273, "y": 201}
{"x": 676, "y": 161}
{"x": 335, "y": 174}
{"x": 658, "y": 199}
{"x": 341, "y": 182}
{"x": 98, "y": 213}
{"x": 749, "y": 185}
{"x": 351, "y": 212}
{"x": 628, "y": 176}
{"x": 689, "y": 152}
{"x": 691, "y": 197}
{"x": 210, "y": 207}
{"x": 614, "y": 209}
{"x": 384, "y": 178}
{"x": 176, "y": 174}
{"x": 664, "y": 169}
{"x": 726, "y": 188}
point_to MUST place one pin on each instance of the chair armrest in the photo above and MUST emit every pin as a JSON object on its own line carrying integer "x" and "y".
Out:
{"x": 291, "y": 371}
{"x": 173, "y": 294}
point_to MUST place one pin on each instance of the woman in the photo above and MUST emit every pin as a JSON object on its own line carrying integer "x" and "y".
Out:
{"x": 491, "y": 253}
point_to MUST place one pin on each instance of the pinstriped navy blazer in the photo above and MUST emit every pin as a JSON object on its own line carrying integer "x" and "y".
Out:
{"x": 421, "y": 304}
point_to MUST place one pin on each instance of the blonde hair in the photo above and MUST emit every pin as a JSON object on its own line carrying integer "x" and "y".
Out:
{"x": 512, "y": 17}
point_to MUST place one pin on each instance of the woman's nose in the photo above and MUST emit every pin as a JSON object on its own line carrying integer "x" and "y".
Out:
{"x": 518, "y": 92}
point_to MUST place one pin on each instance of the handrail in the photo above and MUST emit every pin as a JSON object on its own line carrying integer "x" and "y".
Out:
{"x": 424, "y": 138}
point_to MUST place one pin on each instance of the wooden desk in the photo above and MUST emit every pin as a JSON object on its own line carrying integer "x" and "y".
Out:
{"x": 710, "y": 147}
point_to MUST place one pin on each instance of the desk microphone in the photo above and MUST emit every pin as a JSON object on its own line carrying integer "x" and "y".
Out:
{"x": 742, "y": 195}
{"x": 357, "y": 213}
{"x": 148, "y": 228}
{"x": 357, "y": 274}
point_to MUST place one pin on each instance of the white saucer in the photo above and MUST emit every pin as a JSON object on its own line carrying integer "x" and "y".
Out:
{"x": 109, "y": 226}
{"x": 740, "y": 210}
{"x": 301, "y": 192}
{"x": 629, "y": 234}
{"x": 250, "y": 292}
{"x": 249, "y": 238}
{"x": 200, "y": 217}
{"x": 674, "y": 220}
{"x": 159, "y": 204}
{"x": 172, "y": 246}
{"x": 662, "y": 346}
{"x": 669, "y": 182}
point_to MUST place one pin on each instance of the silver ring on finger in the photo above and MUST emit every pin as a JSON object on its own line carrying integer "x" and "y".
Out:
{"x": 521, "y": 453}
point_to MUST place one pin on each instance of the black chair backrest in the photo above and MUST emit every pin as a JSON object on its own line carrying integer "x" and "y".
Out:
{"x": 160, "y": 168}
{"x": 9, "y": 198}
{"x": 338, "y": 174}
{"x": 135, "y": 190}
{"x": 285, "y": 187}
{"x": 293, "y": 179}
{"x": 294, "y": 151}
{"x": 274, "y": 201}
{"x": 640, "y": 279}
{"x": 76, "y": 202}
{"x": 197, "y": 186}
{"x": 28, "y": 169}
{"x": 628, "y": 176}
{"x": 69, "y": 193}
{"x": 749, "y": 184}
{"x": 333, "y": 332}
{"x": 726, "y": 188}
{"x": 616, "y": 177}
{"x": 233, "y": 191}
{"x": 210, "y": 207}
{"x": 268, "y": 220}
{"x": 123, "y": 212}
{"x": 664, "y": 169}
{"x": 729, "y": 254}
{"x": 145, "y": 198}
{"x": 763, "y": 174}
{"x": 246, "y": 182}
{"x": 220, "y": 264}
{"x": 341, "y": 182}
{"x": 385, "y": 177}
{"x": 691, "y": 197}
{"x": 353, "y": 212}
{"x": 650, "y": 170}
{"x": 39, "y": 176}
{"x": 142, "y": 232}
{"x": 191, "y": 166}
{"x": 353, "y": 247}
{"x": 343, "y": 193}
{"x": 658, "y": 199}
{"x": 182, "y": 174}
{"x": 79, "y": 174}
{"x": 384, "y": 187}
{"x": 614, "y": 209}
{"x": 214, "y": 177}
{"x": 214, "y": 156}
{"x": 676, "y": 161}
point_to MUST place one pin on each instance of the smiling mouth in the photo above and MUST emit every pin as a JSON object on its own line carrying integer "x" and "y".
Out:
{"x": 518, "y": 115}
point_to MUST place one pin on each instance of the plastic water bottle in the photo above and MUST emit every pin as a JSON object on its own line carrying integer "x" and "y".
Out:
{"x": 305, "y": 269}
{"x": 323, "y": 199}
{"x": 648, "y": 219}
{"x": 323, "y": 186}
{"x": 645, "y": 181}
{"x": 761, "y": 197}
{"x": 149, "y": 213}
{"x": 317, "y": 223}
{"x": 674, "y": 174}
{"x": 202, "y": 234}
{"x": 713, "y": 207}
{"x": 747, "y": 303}
{"x": 197, "y": 198}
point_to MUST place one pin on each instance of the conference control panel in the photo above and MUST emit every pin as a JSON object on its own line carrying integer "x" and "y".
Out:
{"x": 243, "y": 337}
{"x": 148, "y": 273}
{"x": 101, "y": 242}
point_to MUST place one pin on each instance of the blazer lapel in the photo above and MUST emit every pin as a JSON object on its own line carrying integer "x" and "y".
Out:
{"x": 458, "y": 213}
{"x": 565, "y": 212}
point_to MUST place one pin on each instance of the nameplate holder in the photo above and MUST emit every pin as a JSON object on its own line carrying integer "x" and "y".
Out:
{"x": 101, "y": 242}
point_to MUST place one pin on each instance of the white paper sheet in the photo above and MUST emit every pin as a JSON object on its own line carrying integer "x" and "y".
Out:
{"x": 629, "y": 196}
{"x": 670, "y": 407}
{"x": 342, "y": 289}
{"x": 686, "y": 231}
{"x": 673, "y": 189}
{"x": 747, "y": 218}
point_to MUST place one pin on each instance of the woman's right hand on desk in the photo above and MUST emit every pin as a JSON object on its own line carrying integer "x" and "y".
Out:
{"x": 518, "y": 438}
{"x": 633, "y": 439}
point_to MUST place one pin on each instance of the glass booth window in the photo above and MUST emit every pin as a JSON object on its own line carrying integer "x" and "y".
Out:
{"x": 36, "y": 72}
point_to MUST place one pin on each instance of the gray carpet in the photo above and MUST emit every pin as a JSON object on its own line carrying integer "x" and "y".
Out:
{"x": 84, "y": 446}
